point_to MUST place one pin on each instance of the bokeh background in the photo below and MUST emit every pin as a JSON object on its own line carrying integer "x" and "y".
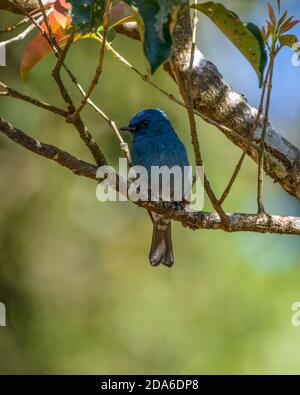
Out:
{"x": 74, "y": 273}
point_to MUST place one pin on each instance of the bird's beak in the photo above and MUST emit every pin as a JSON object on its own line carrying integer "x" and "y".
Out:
{"x": 127, "y": 128}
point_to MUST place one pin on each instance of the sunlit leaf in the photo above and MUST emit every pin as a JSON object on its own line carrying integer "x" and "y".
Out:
{"x": 246, "y": 37}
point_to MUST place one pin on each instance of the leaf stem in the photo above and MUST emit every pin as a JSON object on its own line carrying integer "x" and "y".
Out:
{"x": 260, "y": 178}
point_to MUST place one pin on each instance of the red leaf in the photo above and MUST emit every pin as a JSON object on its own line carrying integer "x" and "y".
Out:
{"x": 282, "y": 19}
{"x": 38, "y": 48}
{"x": 287, "y": 22}
{"x": 272, "y": 14}
{"x": 289, "y": 26}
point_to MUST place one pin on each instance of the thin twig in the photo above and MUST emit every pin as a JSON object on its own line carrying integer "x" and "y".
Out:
{"x": 112, "y": 124}
{"x": 48, "y": 151}
{"x": 6, "y": 91}
{"x": 233, "y": 178}
{"x": 49, "y": 28}
{"x": 57, "y": 77}
{"x": 11, "y": 28}
{"x": 21, "y": 35}
{"x": 23, "y": 21}
{"x": 260, "y": 179}
{"x": 63, "y": 53}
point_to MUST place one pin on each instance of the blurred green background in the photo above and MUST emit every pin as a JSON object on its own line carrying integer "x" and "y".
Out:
{"x": 80, "y": 294}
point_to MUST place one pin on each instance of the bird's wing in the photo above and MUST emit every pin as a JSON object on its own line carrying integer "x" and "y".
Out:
{"x": 146, "y": 153}
{"x": 173, "y": 153}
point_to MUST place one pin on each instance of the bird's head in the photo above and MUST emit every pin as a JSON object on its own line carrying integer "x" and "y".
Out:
{"x": 149, "y": 121}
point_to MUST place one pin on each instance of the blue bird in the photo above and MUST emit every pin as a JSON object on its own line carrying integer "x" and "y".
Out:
{"x": 155, "y": 143}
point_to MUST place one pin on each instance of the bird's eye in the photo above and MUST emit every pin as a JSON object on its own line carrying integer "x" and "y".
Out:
{"x": 144, "y": 123}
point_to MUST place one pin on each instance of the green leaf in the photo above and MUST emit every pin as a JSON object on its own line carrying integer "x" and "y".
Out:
{"x": 263, "y": 55}
{"x": 246, "y": 37}
{"x": 288, "y": 40}
{"x": 155, "y": 23}
{"x": 87, "y": 15}
{"x": 283, "y": 18}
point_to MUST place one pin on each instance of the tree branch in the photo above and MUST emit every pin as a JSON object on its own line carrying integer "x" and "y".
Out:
{"x": 13, "y": 27}
{"x": 48, "y": 151}
{"x": 194, "y": 220}
{"x": 20, "y": 36}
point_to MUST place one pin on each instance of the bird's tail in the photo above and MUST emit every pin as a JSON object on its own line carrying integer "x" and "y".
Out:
{"x": 161, "y": 246}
